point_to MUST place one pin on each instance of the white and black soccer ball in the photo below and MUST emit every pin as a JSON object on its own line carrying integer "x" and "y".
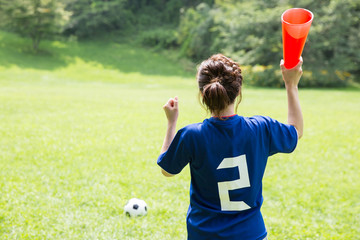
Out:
{"x": 135, "y": 207}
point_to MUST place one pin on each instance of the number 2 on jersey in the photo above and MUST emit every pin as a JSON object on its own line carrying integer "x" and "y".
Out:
{"x": 242, "y": 182}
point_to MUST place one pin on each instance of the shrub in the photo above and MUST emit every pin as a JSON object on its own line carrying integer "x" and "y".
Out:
{"x": 159, "y": 37}
{"x": 262, "y": 76}
{"x": 270, "y": 76}
{"x": 94, "y": 17}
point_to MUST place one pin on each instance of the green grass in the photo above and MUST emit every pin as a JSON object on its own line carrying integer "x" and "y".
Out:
{"x": 81, "y": 126}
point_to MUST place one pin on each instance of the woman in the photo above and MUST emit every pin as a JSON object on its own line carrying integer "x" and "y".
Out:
{"x": 227, "y": 153}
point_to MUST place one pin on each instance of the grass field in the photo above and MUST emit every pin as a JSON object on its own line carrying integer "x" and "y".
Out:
{"x": 81, "y": 126}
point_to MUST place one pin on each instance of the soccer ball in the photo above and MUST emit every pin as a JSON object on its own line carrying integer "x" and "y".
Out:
{"x": 135, "y": 207}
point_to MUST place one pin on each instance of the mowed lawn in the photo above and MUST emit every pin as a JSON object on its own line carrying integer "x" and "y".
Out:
{"x": 81, "y": 126}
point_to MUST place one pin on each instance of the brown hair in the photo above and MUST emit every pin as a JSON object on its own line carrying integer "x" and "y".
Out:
{"x": 220, "y": 82}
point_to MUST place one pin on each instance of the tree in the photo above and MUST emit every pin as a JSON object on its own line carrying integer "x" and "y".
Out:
{"x": 36, "y": 19}
{"x": 161, "y": 12}
{"x": 250, "y": 32}
{"x": 195, "y": 33}
{"x": 335, "y": 46}
{"x": 92, "y": 17}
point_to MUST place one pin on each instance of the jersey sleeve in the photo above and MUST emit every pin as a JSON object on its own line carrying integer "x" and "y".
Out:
{"x": 177, "y": 156}
{"x": 282, "y": 138}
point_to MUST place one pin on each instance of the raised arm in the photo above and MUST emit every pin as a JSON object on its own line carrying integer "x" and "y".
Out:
{"x": 172, "y": 112}
{"x": 291, "y": 78}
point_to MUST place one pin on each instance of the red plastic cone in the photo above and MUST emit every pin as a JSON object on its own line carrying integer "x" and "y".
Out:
{"x": 296, "y": 24}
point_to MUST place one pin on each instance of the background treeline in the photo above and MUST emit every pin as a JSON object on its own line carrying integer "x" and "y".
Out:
{"x": 248, "y": 31}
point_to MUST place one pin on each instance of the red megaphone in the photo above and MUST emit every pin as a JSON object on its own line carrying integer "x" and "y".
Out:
{"x": 296, "y": 24}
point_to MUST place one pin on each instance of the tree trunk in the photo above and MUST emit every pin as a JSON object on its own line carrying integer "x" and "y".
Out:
{"x": 36, "y": 41}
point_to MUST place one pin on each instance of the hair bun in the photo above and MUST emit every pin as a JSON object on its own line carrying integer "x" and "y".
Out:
{"x": 220, "y": 82}
{"x": 216, "y": 80}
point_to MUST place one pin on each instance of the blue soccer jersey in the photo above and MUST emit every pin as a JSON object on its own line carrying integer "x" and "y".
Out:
{"x": 227, "y": 161}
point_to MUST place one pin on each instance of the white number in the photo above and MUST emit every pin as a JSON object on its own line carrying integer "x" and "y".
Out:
{"x": 225, "y": 187}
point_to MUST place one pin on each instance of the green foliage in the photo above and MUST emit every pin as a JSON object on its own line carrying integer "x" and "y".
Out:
{"x": 250, "y": 32}
{"x": 334, "y": 47}
{"x": 160, "y": 12}
{"x": 159, "y": 37}
{"x": 36, "y": 19}
{"x": 196, "y": 33}
{"x": 262, "y": 76}
{"x": 247, "y": 31}
{"x": 94, "y": 17}
{"x": 156, "y": 13}
{"x": 270, "y": 76}
{"x": 91, "y": 18}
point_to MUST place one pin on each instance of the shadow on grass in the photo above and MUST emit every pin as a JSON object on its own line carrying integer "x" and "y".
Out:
{"x": 17, "y": 51}
{"x": 53, "y": 55}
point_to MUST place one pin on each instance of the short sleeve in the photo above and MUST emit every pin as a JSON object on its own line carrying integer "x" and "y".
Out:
{"x": 282, "y": 137}
{"x": 177, "y": 156}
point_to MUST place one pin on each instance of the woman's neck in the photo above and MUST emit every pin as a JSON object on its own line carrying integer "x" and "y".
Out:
{"x": 228, "y": 111}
